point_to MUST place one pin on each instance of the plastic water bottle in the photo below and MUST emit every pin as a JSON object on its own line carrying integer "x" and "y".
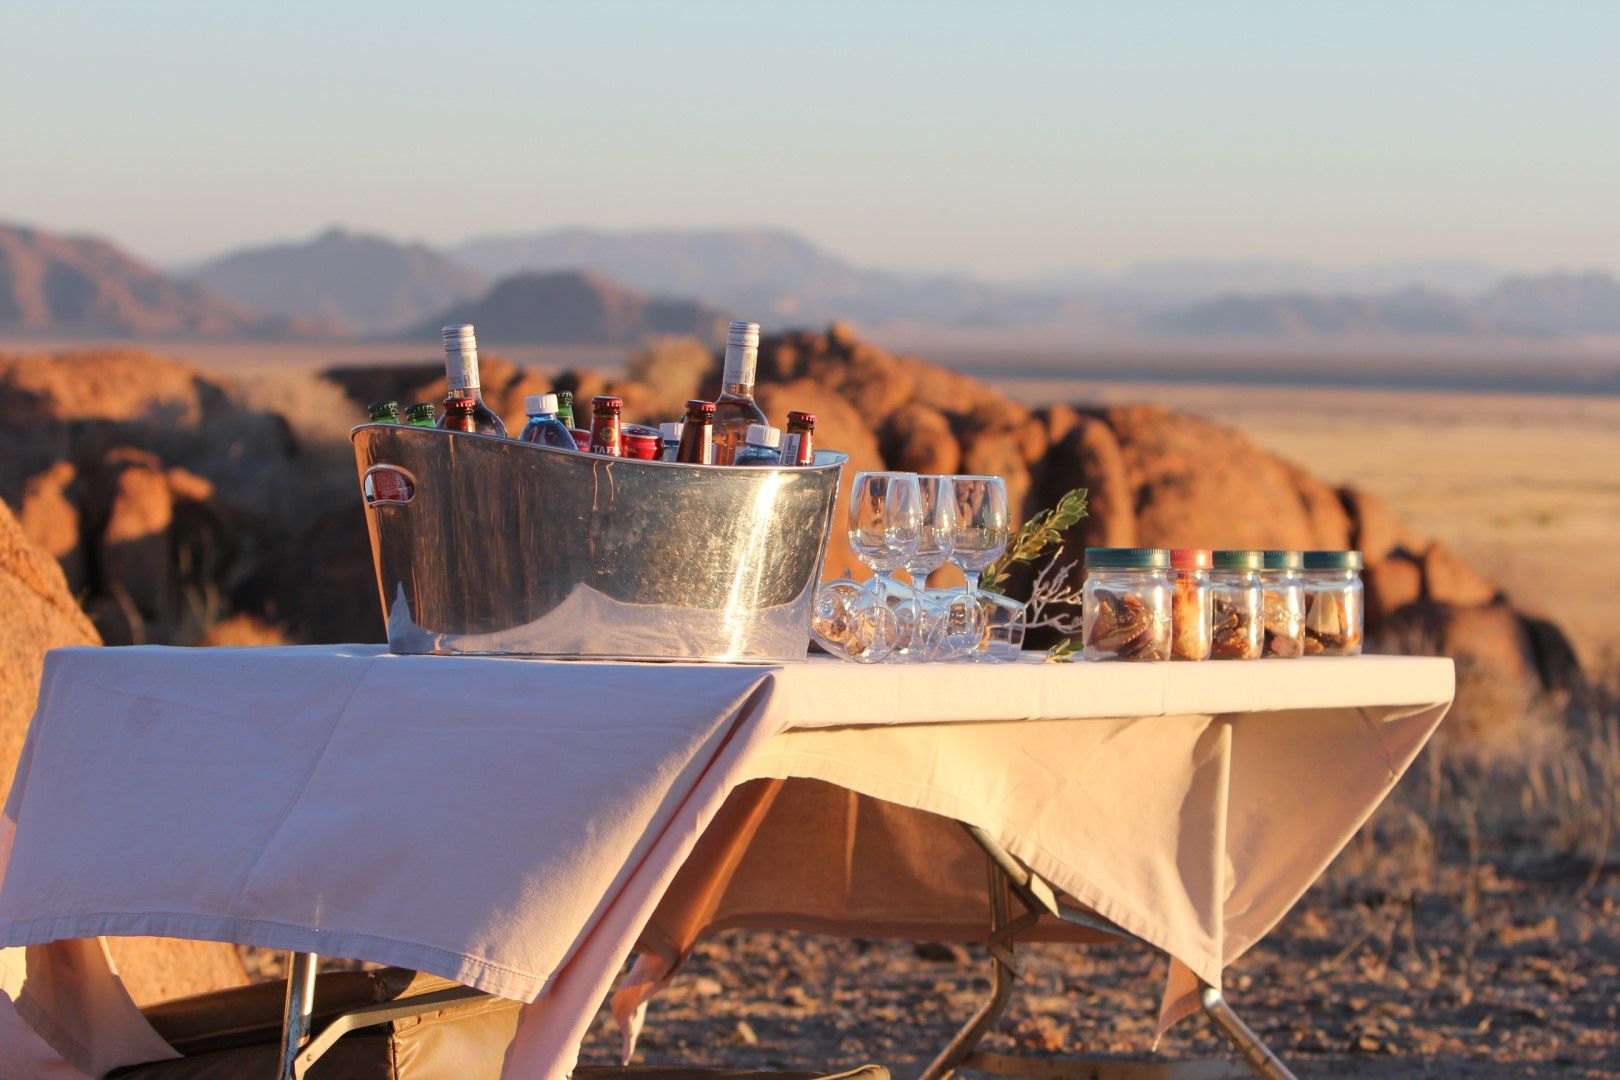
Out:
{"x": 763, "y": 447}
{"x": 543, "y": 426}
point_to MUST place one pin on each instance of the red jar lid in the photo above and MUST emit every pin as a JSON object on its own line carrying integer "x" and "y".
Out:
{"x": 1191, "y": 558}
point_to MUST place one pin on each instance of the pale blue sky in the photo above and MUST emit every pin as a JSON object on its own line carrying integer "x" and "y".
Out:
{"x": 1006, "y": 138}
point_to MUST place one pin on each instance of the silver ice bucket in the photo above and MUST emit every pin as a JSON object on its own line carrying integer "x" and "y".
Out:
{"x": 486, "y": 545}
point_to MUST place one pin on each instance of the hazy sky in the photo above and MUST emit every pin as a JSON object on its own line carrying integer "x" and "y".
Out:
{"x": 1007, "y": 138}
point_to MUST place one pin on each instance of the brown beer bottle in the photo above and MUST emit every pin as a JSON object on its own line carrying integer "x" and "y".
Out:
{"x": 605, "y": 438}
{"x": 460, "y": 414}
{"x": 734, "y": 409}
{"x": 697, "y": 436}
{"x": 797, "y": 448}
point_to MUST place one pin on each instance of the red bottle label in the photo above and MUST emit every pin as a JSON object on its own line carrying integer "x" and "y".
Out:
{"x": 605, "y": 437}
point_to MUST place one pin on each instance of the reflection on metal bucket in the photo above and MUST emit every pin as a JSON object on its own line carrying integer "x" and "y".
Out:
{"x": 512, "y": 548}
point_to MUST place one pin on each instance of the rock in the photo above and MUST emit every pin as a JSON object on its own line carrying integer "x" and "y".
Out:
{"x": 135, "y": 551}
{"x": 673, "y": 369}
{"x": 1448, "y": 580}
{"x": 917, "y": 438}
{"x": 1089, "y": 457}
{"x": 1199, "y": 484}
{"x": 51, "y": 520}
{"x": 40, "y": 615}
{"x": 1390, "y": 585}
{"x": 867, "y": 377}
{"x": 1330, "y": 526}
{"x": 996, "y": 453}
{"x": 1375, "y": 531}
{"x": 1059, "y": 419}
{"x": 1555, "y": 658}
{"x": 1033, "y": 442}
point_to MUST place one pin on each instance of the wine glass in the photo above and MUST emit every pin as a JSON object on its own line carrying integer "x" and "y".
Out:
{"x": 980, "y": 535}
{"x": 885, "y": 522}
{"x": 922, "y": 622}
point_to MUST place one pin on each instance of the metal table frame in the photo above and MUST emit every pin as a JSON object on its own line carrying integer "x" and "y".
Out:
{"x": 1008, "y": 879}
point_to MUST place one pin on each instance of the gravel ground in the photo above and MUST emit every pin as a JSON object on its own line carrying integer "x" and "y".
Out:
{"x": 1402, "y": 962}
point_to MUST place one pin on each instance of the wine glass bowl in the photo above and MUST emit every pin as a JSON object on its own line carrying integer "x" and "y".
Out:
{"x": 980, "y": 536}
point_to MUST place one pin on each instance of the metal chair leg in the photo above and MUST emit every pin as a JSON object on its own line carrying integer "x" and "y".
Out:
{"x": 1002, "y": 976}
{"x": 295, "y": 1016}
{"x": 1265, "y": 1064}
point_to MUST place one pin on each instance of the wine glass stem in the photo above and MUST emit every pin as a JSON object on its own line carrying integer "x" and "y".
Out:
{"x": 971, "y": 577}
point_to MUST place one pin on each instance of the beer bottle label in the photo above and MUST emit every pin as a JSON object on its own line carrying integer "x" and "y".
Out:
{"x": 789, "y": 454}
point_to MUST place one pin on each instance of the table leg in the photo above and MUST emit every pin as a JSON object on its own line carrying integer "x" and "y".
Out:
{"x": 1002, "y": 977}
{"x": 295, "y": 1018}
{"x": 1259, "y": 1056}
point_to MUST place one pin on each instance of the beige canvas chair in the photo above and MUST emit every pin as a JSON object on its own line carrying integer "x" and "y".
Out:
{"x": 232, "y": 1034}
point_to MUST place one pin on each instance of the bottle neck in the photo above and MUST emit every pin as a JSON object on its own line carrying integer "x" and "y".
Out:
{"x": 737, "y": 379}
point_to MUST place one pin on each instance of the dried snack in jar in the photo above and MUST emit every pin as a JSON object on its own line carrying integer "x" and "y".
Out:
{"x": 1330, "y": 626}
{"x": 1284, "y": 623}
{"x": 1127, "y": 627}
{"x": 1190, "y": 623}
{"x": 1237, "y": 634}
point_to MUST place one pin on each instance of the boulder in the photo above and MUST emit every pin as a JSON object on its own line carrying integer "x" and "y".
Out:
{"x": 1390, "y": 585}
{"x": 1059, "y": 419}
{"x": 1375, "y": 531}
{"x": 135, "y": 551}
{"x": 672, "y": 369}
{"x": 997, "y": 453}
{"x": 1089, "y": 457}
{"x": 1449, "y": 580}
{"x": 41, "y": 615}
{"x": 52, "y": 521}
{"x": 917, "y": 438}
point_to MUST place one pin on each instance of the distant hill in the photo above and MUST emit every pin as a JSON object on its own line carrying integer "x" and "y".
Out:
{"x": 370, "y": 283}
{"x": 1557, "y": 304}
{"x": 1553, "y": 305}
{"x": 770, "y": 275}
{"x": 573, "y": 308}
{"x": 1187, "y": 281}
{"x": 72, "y": 285}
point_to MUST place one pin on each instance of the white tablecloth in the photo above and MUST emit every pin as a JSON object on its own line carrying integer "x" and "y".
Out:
{"x": 517, "y": 824}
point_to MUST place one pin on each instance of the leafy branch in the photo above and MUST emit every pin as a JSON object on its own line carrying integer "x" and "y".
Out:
{"x": 1043, "y": 531}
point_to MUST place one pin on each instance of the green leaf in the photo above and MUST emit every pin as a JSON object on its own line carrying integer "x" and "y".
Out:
{"x": 1041, "y": 532}
{"x": 1063, "y": 652}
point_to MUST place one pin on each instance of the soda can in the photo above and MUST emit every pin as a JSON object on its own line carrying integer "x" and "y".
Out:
{"x": 582, "y": 439}
{"x": 641, "y": 442}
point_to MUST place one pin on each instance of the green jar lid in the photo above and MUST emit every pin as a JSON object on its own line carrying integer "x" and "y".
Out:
{"x": 1239, "y": 560}
{"x": 1332, "y": 560}
{"x": 1127, "y": 559}
{"x": 1284, "y": 560}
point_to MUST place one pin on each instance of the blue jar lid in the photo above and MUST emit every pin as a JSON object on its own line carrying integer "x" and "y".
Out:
{"x": 1284, "y": 560}
{"x": 1333, "y": 560}
{"x": 1127, "y": 559}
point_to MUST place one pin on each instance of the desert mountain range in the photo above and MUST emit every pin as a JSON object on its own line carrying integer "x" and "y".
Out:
{"x": 582, "y": 286}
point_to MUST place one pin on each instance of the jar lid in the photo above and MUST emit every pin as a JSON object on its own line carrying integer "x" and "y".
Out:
{"x": 1191, "y": 558}
{"x": 1239, "y": 560}
{"x": 1284, "y": 560}
{"x": 1127, "y": 558}
{"x": 1333, "y": 560}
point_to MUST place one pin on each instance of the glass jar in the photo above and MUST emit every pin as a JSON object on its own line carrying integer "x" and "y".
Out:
{"x": 1126, "y": 603}
{"x": 1190, "y": 618}
{"x": 1237, "y": 606}
{"x": 1333, "y": 607}
{"x": 1283, "y": 603}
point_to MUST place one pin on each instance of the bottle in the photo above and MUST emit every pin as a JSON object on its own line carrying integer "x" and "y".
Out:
{"x": 461, "y": 372}
{"x": 762, "y": 447}
{"x": 420, "y": 414}
{"x": 384, "y": 412}
{"x": 460, "y": 414}
{"x": 697, "y": 434}
{"x": 797, "y": 444}
{"x": 605, "y": 439}
{"x": 565, "y": 407}
{"x": 734, "y": 409}
{"x": 544, "y": 427}
{"x": 669, "y": 438}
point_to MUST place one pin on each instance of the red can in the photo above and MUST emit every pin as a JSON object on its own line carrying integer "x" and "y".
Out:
{"x": 641, "y": 442}
{"x": 582, "y": 439}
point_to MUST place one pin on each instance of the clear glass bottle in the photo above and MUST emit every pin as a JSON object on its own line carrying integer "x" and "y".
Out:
{"x": 544, "y": 428}
{"x": 1237, "y": 606}
{"x": 1334, "y": 611}
{"x": 764, "y": 447}
{"x": 461, "y": 372}
{"x": 669, "y": 440}
{"x": 1191, "y": 622}
{"x": 383, "y": 412}
{"x": 734, "y": 409}
{"x": 1126, "y": 603}
{"x": 1284, "y": 603}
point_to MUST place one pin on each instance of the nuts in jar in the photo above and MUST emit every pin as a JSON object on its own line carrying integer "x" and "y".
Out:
{"x": 1190, "y": 619}
{"x": 1333, "y": 603}
{"x": 1126, "y": 604}
{"x": 1283, "y": 604}
{"x": 1238, "y": 606}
